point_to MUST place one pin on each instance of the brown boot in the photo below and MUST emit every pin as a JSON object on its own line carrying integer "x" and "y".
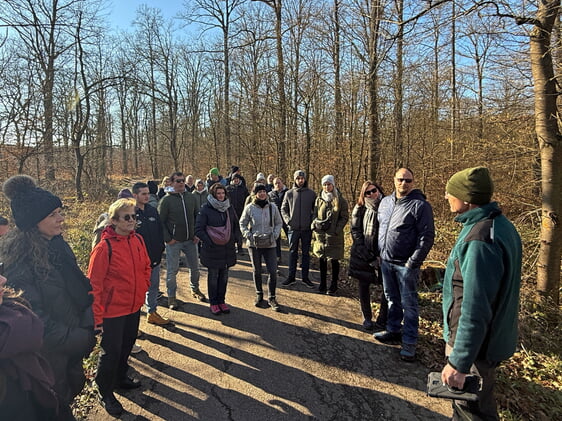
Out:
{"x": 155, "y": 319}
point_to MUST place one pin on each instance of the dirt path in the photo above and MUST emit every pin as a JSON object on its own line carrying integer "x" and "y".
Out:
{"x": 311, "y": 361}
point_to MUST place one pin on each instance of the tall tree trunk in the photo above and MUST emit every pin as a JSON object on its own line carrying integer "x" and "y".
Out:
{"x": 372, "y": 82}
{"x": 547, "y": 122}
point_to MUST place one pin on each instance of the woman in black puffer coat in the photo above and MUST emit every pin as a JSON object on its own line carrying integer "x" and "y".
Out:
{"x": 40, "y": 263}
{"x": 217, "y": 212}
{"x": 364, "y": 264}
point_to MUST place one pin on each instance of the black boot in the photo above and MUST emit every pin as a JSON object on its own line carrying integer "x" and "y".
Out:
{"x": 323, "y": 275}
{"x": 335, "y": 276}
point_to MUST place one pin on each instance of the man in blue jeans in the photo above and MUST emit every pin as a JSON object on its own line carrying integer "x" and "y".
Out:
{"x": 406, "y": 234}
{"x": 149, "y": 227}
{"x": 178, "y": 210}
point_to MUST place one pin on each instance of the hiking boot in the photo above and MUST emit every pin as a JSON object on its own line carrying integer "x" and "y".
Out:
{"x": 387, "y": 337}
{"x": 258, "y": 300}
{"x": 289, "y": 281}
{"x": 273, "y": 304}
{"x": 198, "y": 295}
{"x": 215, "y": 309}
{"x": 172, "y": 303}
{"x": 224, "y": 308}
{"x": 136, "y": 349}
{"x": 155, "y": 319}
{"x": 331, "y": 291}
{"x": 408, "y": 352}
{"x": 112, "y": 406}
{"x": 322, "y": 288}
{"x": 379, "y": 326}
{"x": 308, "y": 283}
{"x": 368, "y": 325}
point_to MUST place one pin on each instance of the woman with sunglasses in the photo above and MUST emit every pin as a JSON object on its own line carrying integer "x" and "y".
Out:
{"x": 119, "y": 271}
{"x": 364, "y": 262}
{"x": 39, "y": 262}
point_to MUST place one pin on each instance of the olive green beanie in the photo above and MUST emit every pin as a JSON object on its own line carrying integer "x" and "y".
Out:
{"x": 473, "y": 185}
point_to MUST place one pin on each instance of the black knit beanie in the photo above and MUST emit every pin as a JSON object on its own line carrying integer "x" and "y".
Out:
{"x": 30, "y": 204}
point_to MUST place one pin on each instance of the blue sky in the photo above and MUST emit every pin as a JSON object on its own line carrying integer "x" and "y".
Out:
{"x": 122, "y": 12}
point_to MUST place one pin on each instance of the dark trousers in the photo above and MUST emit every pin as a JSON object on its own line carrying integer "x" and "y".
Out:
{"x": 269, "y": 256}
{"x": 365, "y": 301}
{"x": 324, "y": 273}
{"x": 278, "y": 248}
{"x": 305, "y": 238}
{"x": 217, "y": 278}
{"x": 118, "y": 338}
{"x": 485, "y": 408}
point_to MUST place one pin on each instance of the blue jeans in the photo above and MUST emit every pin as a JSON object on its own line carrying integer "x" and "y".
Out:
{"x": 270, "y": 258}
{"x": 305, "y": 238}
{"x": 173, "y": 265}
{"x": 217, "y": 279}
{"x": 400, "y": 289}
{"x": 152, "y": 293}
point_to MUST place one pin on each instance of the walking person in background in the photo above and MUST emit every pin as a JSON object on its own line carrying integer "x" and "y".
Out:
{"x": 260, "y": 225}
{"x": 39, "y": 262}
{"x": 153, "y": 193}
{"x": 119, "y": 271}
{"x": 150, "y": 228}
{"x": 215, "y": 177}
{"x": 296, "y": 210}
{"x": 331, "y": 213}
{"x": 178, "y": 210}
{"x": 26, "y": 378}
{"x": 276, "y": 196}
{"x": 406, "y": 235}
{"x": 217, "y": 227}
{"x": 364, "y": 261}
{"x": 480, "y": 291}
{"x": 269, "y": 186}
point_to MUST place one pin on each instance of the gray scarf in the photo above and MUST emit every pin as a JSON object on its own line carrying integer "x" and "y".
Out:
{"x": 217, "y": 204}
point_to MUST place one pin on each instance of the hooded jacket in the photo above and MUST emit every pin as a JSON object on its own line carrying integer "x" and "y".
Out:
{"x": 177, "y": 214}
{"x": 256, "y": 220}
{"x": 120, "y": 277}
{"x": 330, "y": 243}
{"x": 481, "y": 288}
{"x": 297, "y": 207}
{"x": 406, "y": 230}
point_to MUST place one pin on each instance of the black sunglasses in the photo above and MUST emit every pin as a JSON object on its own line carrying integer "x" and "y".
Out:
{"x": 368, "y": 192}
{"x": 128, "y": 217}
{"x": 179, "y": 180}
{"x": 405, "y": 180}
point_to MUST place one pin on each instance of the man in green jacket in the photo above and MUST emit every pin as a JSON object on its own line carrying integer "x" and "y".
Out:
{"x": 480, "y": 291}
{"x": 178, "y": 210}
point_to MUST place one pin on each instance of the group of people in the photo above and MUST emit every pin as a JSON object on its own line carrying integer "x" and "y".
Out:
{"x": 50, "y": 312}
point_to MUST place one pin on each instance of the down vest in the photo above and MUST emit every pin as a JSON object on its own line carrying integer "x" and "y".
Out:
{"x": 119, "y": 280}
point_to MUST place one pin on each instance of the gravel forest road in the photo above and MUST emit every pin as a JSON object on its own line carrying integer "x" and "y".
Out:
{"x": 310, "y": 361}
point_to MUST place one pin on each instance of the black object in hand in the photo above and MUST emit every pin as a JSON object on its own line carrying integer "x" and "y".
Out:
{"x": 436, "y": 388}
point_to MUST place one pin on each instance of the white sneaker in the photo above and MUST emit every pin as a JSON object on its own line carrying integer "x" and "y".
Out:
{"x": 136, "y": 349}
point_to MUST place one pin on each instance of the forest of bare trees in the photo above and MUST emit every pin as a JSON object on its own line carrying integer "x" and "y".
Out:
{"x": 353, "y": 88}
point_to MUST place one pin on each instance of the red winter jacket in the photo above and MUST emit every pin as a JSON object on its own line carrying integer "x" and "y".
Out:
{"x": 120, "y": 281}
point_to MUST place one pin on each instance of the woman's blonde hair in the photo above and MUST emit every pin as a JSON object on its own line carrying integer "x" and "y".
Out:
{"x": 118, "y": 205}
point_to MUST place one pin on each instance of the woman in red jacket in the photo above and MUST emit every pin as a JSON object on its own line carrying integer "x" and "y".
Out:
{"x": 119, "y": 271}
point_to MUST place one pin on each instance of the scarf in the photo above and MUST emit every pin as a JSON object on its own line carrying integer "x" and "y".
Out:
{"x": 217, "y": 204}
{"x": 261, "y": 203}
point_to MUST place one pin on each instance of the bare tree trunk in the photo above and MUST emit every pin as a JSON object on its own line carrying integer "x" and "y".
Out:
{"x": 398, "y": 88}
{"x": 453, "y": 121}
{"x": 547, "y": 122}
{"x": 372, "y": 82}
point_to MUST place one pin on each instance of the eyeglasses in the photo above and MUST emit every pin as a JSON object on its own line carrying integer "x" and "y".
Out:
{"x": 128, "y": 217}
{"x": 179, "y": 180}
{"x": 405, "y": 180}
{"x": 369, "y": 192}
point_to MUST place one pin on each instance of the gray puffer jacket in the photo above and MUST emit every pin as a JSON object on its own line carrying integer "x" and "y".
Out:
{"x": 256, "y": 220}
